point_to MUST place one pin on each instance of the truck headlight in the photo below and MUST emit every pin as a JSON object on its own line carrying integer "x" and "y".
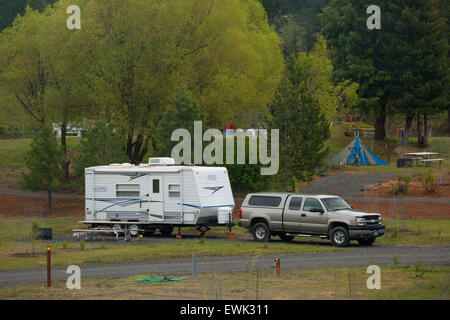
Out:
{"x": 360, "y": 221}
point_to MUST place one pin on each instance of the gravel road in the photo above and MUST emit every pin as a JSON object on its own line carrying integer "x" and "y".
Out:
{"x": 345, "y": 184}
{"x": 348, "y": 257}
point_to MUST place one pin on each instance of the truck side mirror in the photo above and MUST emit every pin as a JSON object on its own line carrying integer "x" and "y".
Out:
{"x": 316, "y": 210}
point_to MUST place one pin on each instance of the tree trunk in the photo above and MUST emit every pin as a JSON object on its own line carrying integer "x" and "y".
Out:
{"x": 448, "y": 121}
{"x": 49, "y": 201}
{"x": 425, "y": 130}
{"x": 136, "y": 150}
{"x": 66, "y": 161}
{"x": 285, "y": 150}
{"x": 419, "y": 131}
{"x": 380, "y": 130}
{"x": 408, "y": 123}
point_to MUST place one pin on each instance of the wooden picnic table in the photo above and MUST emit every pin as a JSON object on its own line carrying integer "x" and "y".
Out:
{"x": 423, "y": 157}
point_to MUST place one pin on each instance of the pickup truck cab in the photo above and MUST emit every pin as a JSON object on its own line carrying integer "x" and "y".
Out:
{"x": 288, "y": 215}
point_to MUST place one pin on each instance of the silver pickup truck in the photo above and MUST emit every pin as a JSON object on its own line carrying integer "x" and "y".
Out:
{"x": 288, "y": 215}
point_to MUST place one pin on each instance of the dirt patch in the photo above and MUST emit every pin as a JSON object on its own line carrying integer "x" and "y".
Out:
{"x": 415, "y": 189}
{"x": 407, "y": 210}
{"x": 24, "y": 206}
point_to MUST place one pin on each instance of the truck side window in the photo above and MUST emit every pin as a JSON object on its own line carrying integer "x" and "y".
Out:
{"x": 311, "y": 203}
{"x": 264, "y": 201}
{"x": 295, "y": 203}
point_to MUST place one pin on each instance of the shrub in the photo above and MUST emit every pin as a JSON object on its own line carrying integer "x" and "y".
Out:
{"x": 102, "y": 145}
{"x": 428, "y": 181}
{"x": 34, "y": 230}
{"x": 82, "y": 245}
{"x": 401, "y": 184}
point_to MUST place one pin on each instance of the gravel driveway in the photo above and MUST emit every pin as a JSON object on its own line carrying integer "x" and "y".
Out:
{"x": 345, "y": 184}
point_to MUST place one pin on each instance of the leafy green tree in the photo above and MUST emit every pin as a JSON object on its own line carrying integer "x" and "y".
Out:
{"x": 67, "y": 95}
{"x": 43, "y": 162}
{"x": 303, "y": 126}
{"x": 22, "y": 69}
{"x": 41, "y": 70}
{"x": 246, "y": 176}
{"x": 181, "y": 114}
{"x": 102, "y": 145}
{"x": 297, "y": 22}
{"x": 9, "y": 9}
{"x": 316, "y": 70}
{"x": 143, "y": 51}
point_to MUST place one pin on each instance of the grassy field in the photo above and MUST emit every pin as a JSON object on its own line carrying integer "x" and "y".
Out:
{"x": 12, "y": 158}
{"x": 397, "y": 282}
{"x": 18, "y": 252}
{"x": 12, "y": 153}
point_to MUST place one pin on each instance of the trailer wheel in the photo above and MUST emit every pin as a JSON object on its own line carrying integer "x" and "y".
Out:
{"x": 166, "y": 231}
{"x": 134, "y": 230}
{"x": 261, "y": 232}
{"x": 116, "y": 227}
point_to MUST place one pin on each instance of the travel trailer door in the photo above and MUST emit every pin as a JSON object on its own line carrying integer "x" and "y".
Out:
{"x": 156, "y": 206}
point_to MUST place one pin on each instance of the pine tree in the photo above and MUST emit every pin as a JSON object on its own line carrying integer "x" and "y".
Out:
{"x": 303, "y": 126}
{"x": 43, "y": 162}
{"x": 400, "y": 68}
{"x": 419, "y": 69}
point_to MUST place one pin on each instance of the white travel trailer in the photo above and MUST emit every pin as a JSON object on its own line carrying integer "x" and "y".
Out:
{"x": 158, "y": 195}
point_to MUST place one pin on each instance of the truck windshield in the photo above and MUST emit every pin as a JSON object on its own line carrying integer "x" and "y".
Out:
{"x": 335, "y": 204}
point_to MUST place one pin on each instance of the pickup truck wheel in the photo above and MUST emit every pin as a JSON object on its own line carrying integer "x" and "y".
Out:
{"x": 261, "y": 232}
{"x": 285, "y": 237}
{"x": 366, "y": 242}
{"x": 339, "y": 237}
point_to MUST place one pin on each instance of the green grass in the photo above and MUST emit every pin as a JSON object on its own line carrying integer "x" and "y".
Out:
{"x": 26, "y": 254}
{"x": 425, "y": 231}
{"x": 20, "y": 255}
{"x": 398, "y": 282}
{"x": 12, "y": 158}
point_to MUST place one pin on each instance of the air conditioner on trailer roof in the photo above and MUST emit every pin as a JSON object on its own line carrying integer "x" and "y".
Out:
{"x": 161, "y": 161}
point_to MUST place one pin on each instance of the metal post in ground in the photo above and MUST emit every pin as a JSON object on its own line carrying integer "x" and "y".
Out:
{"x": 179, "y": 233}
{"x": 230, "y": 234}
{"x": 276, "y": 266}
{"x": 49, "y": 267}
{"x": 194, "y": 266}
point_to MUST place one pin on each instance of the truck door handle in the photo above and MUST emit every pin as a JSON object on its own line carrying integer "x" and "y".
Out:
{"x": 303, "y": 214}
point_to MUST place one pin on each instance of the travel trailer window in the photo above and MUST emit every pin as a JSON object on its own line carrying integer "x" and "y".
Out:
{"x": 155, "y": 185}
{"x": 127, "y": 190}
{"x": 174, "y": 190}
